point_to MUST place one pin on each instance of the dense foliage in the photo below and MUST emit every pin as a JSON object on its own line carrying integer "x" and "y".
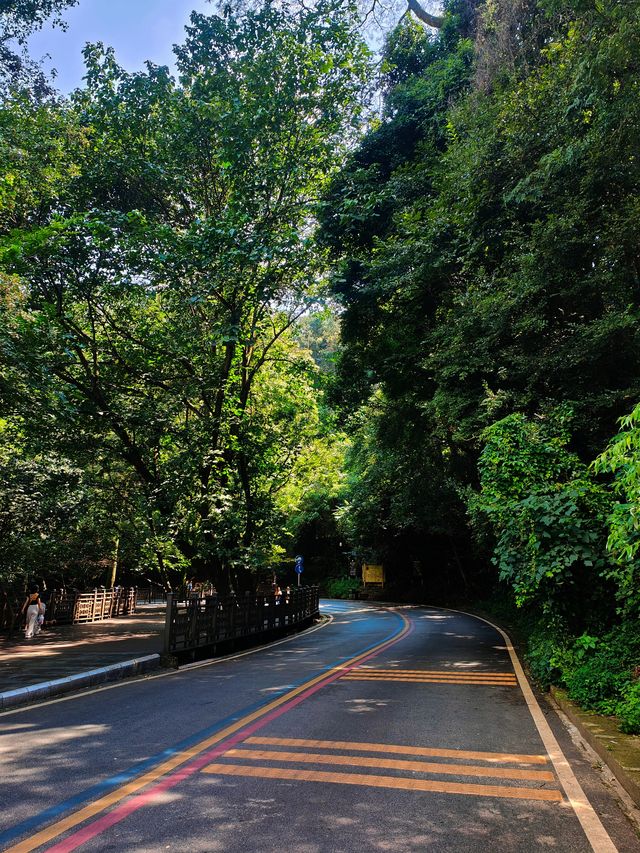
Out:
{"x": 485, "y": 241}
{"x": 18, "y": 19}
{"x": 156, "y": 253}
{"x": 174, "y": 396}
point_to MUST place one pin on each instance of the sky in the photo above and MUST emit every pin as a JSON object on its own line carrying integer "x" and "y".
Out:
{"x": 137, "y": 29}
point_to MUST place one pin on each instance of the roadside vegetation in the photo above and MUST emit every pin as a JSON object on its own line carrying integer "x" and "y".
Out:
{"x": 300, "y": 300}
{"x": 485, "y": 242}
{"x": 162, "y": 316}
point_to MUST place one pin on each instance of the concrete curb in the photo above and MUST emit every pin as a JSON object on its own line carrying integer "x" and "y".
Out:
{"x": 620, "y": 752}
{"x": 50, "y": 689}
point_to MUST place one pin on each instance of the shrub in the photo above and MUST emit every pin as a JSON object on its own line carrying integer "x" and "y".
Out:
{"x": 597, "y": 672}
{"x": 622, "y": 458}
{"x": 542, "y": 658}
{"x": 628, "y": 711}
{"x": 599, "y": 682}
{"x": 341, "y": 587}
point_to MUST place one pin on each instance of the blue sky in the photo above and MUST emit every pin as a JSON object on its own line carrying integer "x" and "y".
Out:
{"x": 137, "y": 29}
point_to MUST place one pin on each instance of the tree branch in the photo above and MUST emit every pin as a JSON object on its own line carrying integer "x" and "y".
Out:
{"x": 434, "y": 21}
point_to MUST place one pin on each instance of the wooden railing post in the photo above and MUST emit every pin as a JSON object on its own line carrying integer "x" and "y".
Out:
{"x": 194, "y": 604}
{"x": 232, "y": 616}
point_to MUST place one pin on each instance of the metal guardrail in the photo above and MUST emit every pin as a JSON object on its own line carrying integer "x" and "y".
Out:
{"x": 206, "y": 621}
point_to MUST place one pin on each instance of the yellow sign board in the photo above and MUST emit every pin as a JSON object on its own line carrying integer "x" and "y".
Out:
{"x": 372, "y": 573}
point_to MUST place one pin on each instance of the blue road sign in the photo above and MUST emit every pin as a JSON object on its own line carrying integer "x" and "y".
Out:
{"x": 299, "y": 565}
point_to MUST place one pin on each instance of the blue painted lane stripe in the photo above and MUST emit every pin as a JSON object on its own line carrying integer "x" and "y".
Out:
{"x": 36, "y": 821}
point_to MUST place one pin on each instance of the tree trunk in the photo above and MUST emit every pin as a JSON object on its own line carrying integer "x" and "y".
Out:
{"x": 116, "y": 560}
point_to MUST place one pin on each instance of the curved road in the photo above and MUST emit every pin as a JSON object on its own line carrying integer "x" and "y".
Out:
{"x": 390, "y": 729}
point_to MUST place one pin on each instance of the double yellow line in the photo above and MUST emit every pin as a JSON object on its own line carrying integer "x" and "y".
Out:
{"x": 276, "y": 755}
{"x": 425, "y": 676}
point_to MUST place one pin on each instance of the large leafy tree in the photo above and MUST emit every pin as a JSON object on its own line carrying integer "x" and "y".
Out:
{"x": 540, "y": 194}
{"x": 402, "y": 466}
{"x": 162, "y": 285}
{"x": 485, "y": 236}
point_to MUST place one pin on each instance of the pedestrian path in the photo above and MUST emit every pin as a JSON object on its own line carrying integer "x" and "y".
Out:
{"x": 64, "y": 652}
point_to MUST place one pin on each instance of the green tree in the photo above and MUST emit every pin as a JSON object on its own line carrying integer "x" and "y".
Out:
{"x": 164, "y": 284}
{"x": 485, "y": 243}
{"x": 548, "y": 518}
{"x": 402, "y": 465}
{"x": 622, "y": 458}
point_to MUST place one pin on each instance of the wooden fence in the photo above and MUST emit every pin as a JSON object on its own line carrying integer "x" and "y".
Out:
{"x": 154, "y": 594}
{"x": 77, "y": 607}
{"x": 207, "y": 621}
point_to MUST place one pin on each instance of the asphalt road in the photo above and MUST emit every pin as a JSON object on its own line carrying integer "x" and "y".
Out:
{"x": 406, "y": 729}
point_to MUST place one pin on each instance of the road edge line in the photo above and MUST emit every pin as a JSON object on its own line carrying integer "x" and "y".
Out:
{"x": 593, "y": 828}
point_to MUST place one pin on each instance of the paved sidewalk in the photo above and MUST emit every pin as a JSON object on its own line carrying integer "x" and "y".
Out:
{"x": 60, "y": 654}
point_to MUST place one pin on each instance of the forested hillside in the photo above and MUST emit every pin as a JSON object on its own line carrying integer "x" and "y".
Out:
{"x": 302, "y": 299}
{"x": 485, "y": 237}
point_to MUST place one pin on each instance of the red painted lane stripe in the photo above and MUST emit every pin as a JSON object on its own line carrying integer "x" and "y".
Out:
{"x": 121, "y": 812}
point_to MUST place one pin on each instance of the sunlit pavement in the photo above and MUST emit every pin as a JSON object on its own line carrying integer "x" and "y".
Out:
{"x": 63, "y": 650}
{"x": 403, "y": 730}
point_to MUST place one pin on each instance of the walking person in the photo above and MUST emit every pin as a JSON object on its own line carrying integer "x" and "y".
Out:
{"x": 33, "y": 607}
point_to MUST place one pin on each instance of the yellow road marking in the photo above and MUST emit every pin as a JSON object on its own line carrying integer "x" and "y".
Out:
{"x": 449, "y": 672}
{"x": 408, "y": 679}
{"x": 363, "y": 673}
{"x": 44, "y": 836}
{"x": 391, "y": 764}
{"x": 398, "y": 749}
{"x": 371, "y": 781}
